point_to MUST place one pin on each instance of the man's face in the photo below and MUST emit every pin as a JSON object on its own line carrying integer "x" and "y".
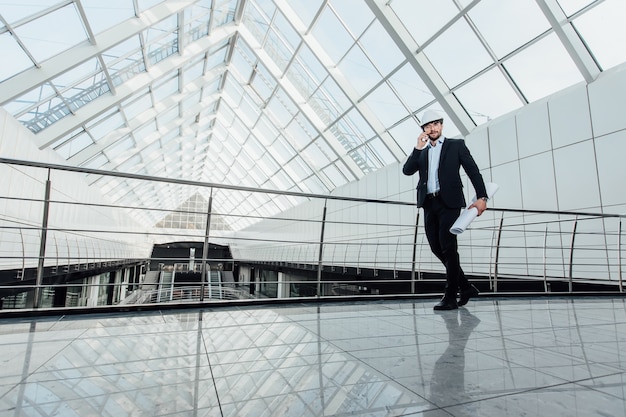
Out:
{"x": 433, "y": 129}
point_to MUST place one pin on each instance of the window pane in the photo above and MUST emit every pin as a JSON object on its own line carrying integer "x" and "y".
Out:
{"x": 521, "y": 20}
{"x": 542, "y": 69}
{"x": 458, "y": 54}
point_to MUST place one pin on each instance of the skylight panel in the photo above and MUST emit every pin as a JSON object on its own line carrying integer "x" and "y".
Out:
{"x": 304, "y": 10}
{"x": 357, "y": 67}
{"x": 604, "y": 32}
{"x": 18, "y": 10}
{"x": 306, "y": 72}
{"x": 216, "y": 58}
{"x": 482, "y": 107}
{"x": 120, "y": 147}
{"x": 146, "y": 4}
{"x": 74, "y": 145}
{"x": 285, "y": 31}
{"x": 572, "y": 6}
{"x": 314, "y": 157}
{"x": 103, "y": 15}
{"x": 281, "y": 150}
{"x": 124, "y": 60}
{"x": 314, "y": 185}
{"x": 520, "y": 20}
{"x": 19, "y": 60}
{"x": 265, "y": 131}
{"x": 382, "y": 154}
{"x": 335, "y": 176}
{"x": 297, "y": 135}
{"x": 277, "y": 50}
{"x": 354, "y": 14}
{"x": 405, "y": 132}
{"x": 457, "y": 54}
{"x": 142, "y": 132}
{"x": 543, "y": 68}
{"x": 106, "y": 124}
{"x": 282, "y": 109}
{"x": 381, "y": 49}
{"x": 358, "y": 124}
{"x": 386, "y": 105}
{"x": 165, "y": 88}
{"x": 333, "y": 35}
{"x": 97, "y": 162}
{"x": 330, "y": 101}
{"x": 165, "y": 117}
{"x": 52, "y": 33}
{"x": 423, "y": 18}
{"x": 410, "y": 88}
{"x": 193, "y": 71}
{"x": 137, "y": 104}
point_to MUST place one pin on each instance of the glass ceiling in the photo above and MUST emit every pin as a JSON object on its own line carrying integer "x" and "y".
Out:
{"x": 299, "y": 95}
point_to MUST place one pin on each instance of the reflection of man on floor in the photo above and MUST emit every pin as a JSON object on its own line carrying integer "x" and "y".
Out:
{"x": 447, "y": 385}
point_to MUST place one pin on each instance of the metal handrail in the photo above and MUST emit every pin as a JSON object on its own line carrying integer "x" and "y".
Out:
{"x": 310, "y": 252}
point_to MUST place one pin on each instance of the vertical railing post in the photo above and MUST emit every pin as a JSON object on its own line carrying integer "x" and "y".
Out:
{"x": 42, "y": 244}
{"x": 321, "y": 254}
{"x": 414, "y": 259}
{"x": 205, "y": 248}
{"x": 23, "y": 255}
{"x": 545, "y": 260}
{"x": 497, "y": 258}
{"x": 571, "y": 256}
{"x": 619, "y": 255}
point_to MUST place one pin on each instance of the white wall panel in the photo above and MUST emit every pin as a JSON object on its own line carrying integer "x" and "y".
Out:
{"x": 478, "y": 144}
{"x": 577, "y": 177}
{"x": 509, "y": 193}
{"x": 538, "y": 183}
{"x": 503, "y": 141}
{"x": 607, "y": 100}
{"x": 570, "y": 121}
{"x": 611, "y": 155}
{"x": 533, "y": 130}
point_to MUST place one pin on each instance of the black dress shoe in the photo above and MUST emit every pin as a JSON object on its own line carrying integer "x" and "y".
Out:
{"x": 446, "y": 303}
{"x": 467, "y": 294}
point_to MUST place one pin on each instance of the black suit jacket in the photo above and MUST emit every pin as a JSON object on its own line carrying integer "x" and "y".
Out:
{"x": 454, "y": 155}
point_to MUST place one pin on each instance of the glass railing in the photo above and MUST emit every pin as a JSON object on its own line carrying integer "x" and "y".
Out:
{"x": 61, "y": 247}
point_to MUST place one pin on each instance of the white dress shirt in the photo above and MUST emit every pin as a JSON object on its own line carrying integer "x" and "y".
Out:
{"x": 434, "y": 154}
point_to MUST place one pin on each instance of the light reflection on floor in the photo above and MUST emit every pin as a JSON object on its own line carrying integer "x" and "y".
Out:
{"x": 496, "y": 357}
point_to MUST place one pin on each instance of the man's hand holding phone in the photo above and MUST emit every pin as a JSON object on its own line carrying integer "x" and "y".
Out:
{"x": 422, "y": 141}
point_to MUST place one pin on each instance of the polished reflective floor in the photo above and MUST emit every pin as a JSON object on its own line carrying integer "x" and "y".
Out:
{"x": 496, "y": 357}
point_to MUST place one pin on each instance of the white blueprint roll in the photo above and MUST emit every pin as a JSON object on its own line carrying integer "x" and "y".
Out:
{"x": 468, "y": 215}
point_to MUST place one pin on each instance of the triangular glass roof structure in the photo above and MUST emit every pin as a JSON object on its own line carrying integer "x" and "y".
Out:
{"x": 298, "y": 95}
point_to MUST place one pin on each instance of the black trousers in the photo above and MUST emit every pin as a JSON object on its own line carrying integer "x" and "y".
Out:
{"x": 438, "y": 218}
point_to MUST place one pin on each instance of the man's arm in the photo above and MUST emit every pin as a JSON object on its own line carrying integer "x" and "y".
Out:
{"x": 411, "y": 166}
{"x": 473, "y": 173}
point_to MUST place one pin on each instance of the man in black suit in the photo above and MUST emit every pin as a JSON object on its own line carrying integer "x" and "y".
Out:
{"x": 440, "y": 193}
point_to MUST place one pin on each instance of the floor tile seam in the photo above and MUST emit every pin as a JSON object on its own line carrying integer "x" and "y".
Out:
{"x": 382, "y": 373}
{"x": 202, "y": 342}
{"x": 329, "y": 400}
{"x": 507, "y": 394}
{"x": 128, "y": 393}
{"x": 598, "y": 389}
{"x": 508, "y": 360}
{"x": 23, "y": 379}
{"x": 334, "y": 343}
{"x": 336, "y": 386}
{"x": 99, "y": 374}
{"x": 444, "y": 339}
{"x": 544, "y": 349}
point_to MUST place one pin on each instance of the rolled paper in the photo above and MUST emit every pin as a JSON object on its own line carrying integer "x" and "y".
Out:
{"x": 468, "y": 215}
